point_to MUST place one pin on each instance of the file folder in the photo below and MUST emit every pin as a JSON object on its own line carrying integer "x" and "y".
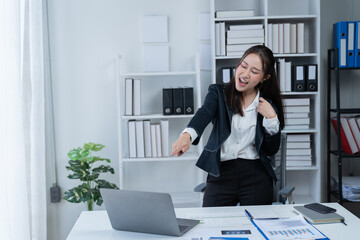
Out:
{"x": 350, "y": 50}
{"x": 168, "y": 101}
{"x": 357, "y": 44}
{"x": 178, "y": 101}
{"x": 340, "y": 32}
{"x": 311, "y": 77}
{"x": 298, "y": 77}
{"x": 189, "y": 100}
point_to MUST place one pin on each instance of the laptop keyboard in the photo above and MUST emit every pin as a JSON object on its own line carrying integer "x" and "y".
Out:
{"x": 182, "y": 227}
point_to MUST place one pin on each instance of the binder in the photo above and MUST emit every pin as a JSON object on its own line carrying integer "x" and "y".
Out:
{"x": 189, "y": 100}
{"x": 357, "y": 44}
{"x": 168, "y": 101}
{"x": 311, "y": 77}
{"x": 298, "y": 77}
{"x": 226, "y": 74}
{"x": 128, "y": 96}
{"x": 178, "y": 102}
{"x": 132, "y": 139}
{"x": 139, "y": 130}
{"x": 137, "y": 97}
{"x": 340, "y": 41}
{"x": 350, "y": 50}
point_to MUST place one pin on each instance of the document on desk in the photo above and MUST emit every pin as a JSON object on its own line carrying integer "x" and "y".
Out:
{"x": 287, "y": 228}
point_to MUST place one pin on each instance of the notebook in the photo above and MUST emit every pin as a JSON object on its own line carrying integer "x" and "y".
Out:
{"x": 316, "y": 218}
{"x": 145, "y": 212}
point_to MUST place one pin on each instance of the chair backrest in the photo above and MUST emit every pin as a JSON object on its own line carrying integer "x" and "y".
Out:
{"x": 280, "y": 171}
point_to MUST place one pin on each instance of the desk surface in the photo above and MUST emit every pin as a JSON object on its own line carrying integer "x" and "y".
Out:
{"x": 96, "y": 224}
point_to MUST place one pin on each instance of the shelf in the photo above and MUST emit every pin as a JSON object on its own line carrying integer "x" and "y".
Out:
{"x": 298, "y": 93}
{"x": 156, "y": 116}
{"x": 149, "y": 74}
{"x": 310, "y": 168}
{"x": 346, "y": 110}
{"x": 189, "y": 156}
{"x": 275, "y": 55}
{"x": 239, "y": 19}
{"x": 311, "y": 130}
{"x": 292, "y": 17}
{"x": 345, "y": 68}
{"x": 296, "y": 55}
{"x": 345, "y": 155}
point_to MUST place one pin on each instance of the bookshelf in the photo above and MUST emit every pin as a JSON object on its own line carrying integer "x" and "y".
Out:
{"x": 175, "y": 175}
{"x": 335, "y": 169}
{"x": 306, "y": 179}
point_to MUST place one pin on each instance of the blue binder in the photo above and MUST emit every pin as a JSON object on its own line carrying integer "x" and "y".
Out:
{"x": 340, "y": 31}
{"x": 350, "y": 49}
{"x": 357, "y": 44}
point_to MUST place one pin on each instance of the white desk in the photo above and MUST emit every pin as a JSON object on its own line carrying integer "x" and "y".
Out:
{"x": 96, "y": 224}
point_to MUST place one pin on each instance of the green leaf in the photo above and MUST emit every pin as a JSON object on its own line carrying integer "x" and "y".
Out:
{"x": 78, "y": 194}
{"x": 105, "y": 184}
{"x": 93, "y": 146}
{"x": 103, "y": 169}
{"x": 96, "y": 158}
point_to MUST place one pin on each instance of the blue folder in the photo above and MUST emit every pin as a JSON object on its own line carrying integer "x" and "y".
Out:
{"x": 340, "y": 33}
{"x": 350, "y": 49}
{"x": 357, "y": 44}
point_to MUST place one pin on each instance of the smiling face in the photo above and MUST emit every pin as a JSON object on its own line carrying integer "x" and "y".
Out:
{"x": 249, "y": 74}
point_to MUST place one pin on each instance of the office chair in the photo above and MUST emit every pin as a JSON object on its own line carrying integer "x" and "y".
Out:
{"x": 282, "y": 193}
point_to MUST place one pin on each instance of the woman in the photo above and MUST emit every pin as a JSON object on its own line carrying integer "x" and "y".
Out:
{"x": 247, "y": 117}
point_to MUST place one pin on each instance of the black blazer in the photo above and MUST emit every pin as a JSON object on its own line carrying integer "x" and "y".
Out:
{"x": 216, "y": 110}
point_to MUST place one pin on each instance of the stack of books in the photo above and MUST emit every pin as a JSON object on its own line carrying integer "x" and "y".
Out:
{"x": 298, "y": 151}
{"x": 286, "y": 37}
{"x": 296, "y": 113}
{"x": 148, "y": 139}
{"x": 234, "y": 40}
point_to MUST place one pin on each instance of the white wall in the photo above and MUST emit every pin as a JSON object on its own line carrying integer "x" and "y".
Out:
{"x": 86, "y": 36}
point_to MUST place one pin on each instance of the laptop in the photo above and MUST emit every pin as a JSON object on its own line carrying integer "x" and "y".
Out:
{"x": 145, "y": 212}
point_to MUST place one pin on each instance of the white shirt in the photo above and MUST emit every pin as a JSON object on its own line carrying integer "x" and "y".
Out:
{"x": 241, "y": 142}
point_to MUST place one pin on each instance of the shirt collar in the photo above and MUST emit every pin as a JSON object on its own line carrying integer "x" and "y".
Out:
{"x": 254, "y": 104}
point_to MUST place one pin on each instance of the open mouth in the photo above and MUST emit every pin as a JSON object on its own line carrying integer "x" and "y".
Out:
{"x": 242, "y": 82}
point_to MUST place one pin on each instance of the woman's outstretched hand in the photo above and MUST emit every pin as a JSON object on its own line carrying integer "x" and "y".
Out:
{"x": 181, "y": 145}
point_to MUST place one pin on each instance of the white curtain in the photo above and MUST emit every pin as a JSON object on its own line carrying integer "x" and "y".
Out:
{"x": 22, "y": 121}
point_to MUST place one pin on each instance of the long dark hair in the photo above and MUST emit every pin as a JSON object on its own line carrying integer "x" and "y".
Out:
{"x": 269, "y": 88}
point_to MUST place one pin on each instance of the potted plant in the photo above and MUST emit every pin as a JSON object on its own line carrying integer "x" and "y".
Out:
{"x": 82, "y": 165}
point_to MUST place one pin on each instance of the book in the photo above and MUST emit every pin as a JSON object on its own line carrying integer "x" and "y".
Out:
{"x": 147, "y": 138}
{"x": 344, "y": 142}
{"x": 296, "y": 115}
{"x": 296, "y": 109}
{"x": 128, "y": 96}
{"x": 300, "y": 38}
{"x": 298, "y": 138}
{"x": 296, "y": 101}
{"x": 245, "y": 40}
{"x": 300, "y": 151}
{"x": 139, "y": 130}
{"x": 355, "y": 130}
{"x": 298, "y": 145}
{"x": 245, "y": 33}
{"x": 317, "y": 218}
{"x": 298, "y": 163}
{"x": 153, "y": 140}
{"x": 297, "y": 121}
{"x": 132, "y": 139}
{"x": 234, "y": 13}
{"x": 164, "y": 127}
{"x": 137, "y": 97}
{"x": 158, "y": 140}
{"x": 246, "y": 26}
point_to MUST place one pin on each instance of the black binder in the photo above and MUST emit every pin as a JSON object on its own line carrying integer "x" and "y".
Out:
{"x": 168, "y": 101}
{"x": 189, "y": 100}
{"x": 178, "y": 101}
{"x": 311, "y": 77}
{"x": 298, "y": 78}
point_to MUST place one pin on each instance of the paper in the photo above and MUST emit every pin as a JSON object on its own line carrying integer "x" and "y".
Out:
{"x": 154, "y": 29}
{"x": 155, "y": 58}
{"x": 288, "y": 228}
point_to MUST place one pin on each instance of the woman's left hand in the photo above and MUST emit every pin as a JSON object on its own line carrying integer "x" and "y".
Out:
{"x": 265, "y": 109}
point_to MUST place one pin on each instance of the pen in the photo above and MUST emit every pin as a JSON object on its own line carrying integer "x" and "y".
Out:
{"x": 248, "y": 214}
{"x": 343, "y": 221}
